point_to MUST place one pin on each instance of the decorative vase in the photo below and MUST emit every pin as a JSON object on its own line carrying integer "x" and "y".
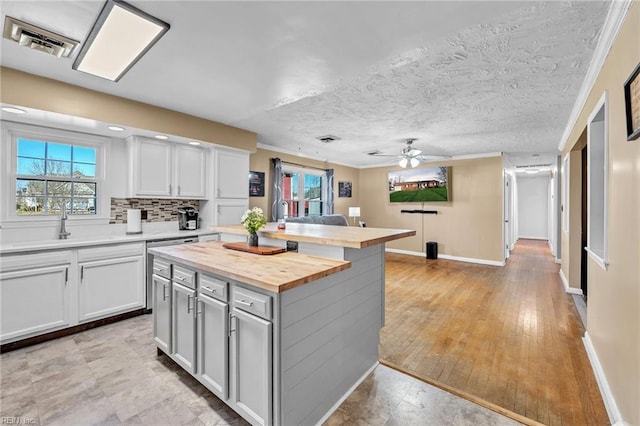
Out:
{"x": 252, "y": 240}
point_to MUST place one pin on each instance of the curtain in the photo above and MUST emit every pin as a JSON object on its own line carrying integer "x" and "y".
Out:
{"x": 276, "y": 190}
{"x": 329, "y": 201}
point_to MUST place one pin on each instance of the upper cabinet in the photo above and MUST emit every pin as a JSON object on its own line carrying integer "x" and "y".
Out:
{"x": 232, "y": 174}
{"x": 165, "y": 170}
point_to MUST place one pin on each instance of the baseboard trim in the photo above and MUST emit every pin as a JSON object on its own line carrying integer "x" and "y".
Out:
{"x": 346, "y": 395}
{"x": 526, "y": 237}
{"x": 609, "y": 401}
{"x": 565, "y": 283}
{"x": 462, "y": 394}
{"x": 30, "y": 341}
{"x": 448, "y": 257}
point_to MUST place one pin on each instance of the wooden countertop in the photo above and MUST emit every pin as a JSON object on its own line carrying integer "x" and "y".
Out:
{"x": 275, "y": 273}
{"x": 342, "y": 236}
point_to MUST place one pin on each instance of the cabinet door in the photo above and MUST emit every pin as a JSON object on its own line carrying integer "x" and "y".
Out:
{"x": 162, "y": 312}
{"x": 232, "y": 174}
{"x": 109, "y": 287}
{"x": 151, "y": 172}
{"x": 33, "y": 301}
{"x": 251, "y": 372}
{"x": 213, "y": 344}
{"x": 183, "y": 336}
{"x": 189, "y": 170}
{"x": 230, "y": 212}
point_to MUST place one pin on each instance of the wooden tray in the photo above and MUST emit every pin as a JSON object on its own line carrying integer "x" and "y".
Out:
{"x": 253, "y": 249}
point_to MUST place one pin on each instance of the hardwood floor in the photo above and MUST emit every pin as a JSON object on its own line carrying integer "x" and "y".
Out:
{"x": 509, "y": 335}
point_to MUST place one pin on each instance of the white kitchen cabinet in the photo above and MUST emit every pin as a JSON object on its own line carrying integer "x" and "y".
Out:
{"x": 189, "y": 172}
{"x": 111, "y": 280}
{"x": 232, "y": 174}
{"x": 150, "y": 165}
{"x": 162, "y": 312}
{"x": 34, "y": 301}
{"x": 166, "y": 170}
{"x": 251, "y": 366}
{"x": 183, "y": 335}
{"x": 213, "y": 346}
{"x": 229, "y": 212}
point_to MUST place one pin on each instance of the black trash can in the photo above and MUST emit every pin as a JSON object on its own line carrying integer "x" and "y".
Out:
{"x": 432, "y": 250}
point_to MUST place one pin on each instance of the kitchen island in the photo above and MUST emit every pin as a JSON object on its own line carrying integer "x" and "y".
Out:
{"x": 281, "y": 339}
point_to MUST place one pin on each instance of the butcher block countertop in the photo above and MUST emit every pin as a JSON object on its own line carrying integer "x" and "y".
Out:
{"x": 341, "y": 236}
{"x": 275, "y": 273}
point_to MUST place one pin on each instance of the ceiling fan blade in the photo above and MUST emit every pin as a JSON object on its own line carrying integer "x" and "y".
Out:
{"x": 433, "y": 157}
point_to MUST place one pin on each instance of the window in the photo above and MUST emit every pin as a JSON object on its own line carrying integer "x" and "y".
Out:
{"x": 303, "y": 192}
{"x": 597, "y": 183}
{"x": 50, "y": 174}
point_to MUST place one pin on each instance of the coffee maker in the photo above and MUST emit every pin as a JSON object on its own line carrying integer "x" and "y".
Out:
{"x": 187, "y": 218}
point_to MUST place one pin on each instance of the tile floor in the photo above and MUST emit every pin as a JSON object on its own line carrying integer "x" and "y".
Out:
{"x": 111, "y": 376}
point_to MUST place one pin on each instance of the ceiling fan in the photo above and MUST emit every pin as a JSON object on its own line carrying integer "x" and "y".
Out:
{"x": 409, "y": 155}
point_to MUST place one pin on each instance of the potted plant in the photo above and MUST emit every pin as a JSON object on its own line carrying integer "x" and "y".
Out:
{"x": 252, "y": 220}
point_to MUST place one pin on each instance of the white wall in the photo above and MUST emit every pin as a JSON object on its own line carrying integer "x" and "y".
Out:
{"x": 533, "y": 207}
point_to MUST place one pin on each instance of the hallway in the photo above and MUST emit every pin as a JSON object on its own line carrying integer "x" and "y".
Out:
{"x": 509, "y": 336}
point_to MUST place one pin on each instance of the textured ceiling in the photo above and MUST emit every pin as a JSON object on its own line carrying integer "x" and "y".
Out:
{"x": 461, "y": 77}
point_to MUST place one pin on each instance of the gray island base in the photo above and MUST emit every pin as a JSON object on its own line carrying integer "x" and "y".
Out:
{"x": 281, "y": 339}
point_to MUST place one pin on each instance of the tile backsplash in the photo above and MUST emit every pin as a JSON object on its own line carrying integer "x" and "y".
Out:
{"x": 158, "y": 210}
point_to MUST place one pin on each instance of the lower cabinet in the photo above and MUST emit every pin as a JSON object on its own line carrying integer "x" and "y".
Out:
{"x": 183, "y": 334}
{"x": 33, "y": 301}
{"x": 212, "y": 342}
{"x": 251, "y": 366}
{"x": 226, "y": 345}
{"x": 109, "y": 287}
{"x": 162, "y": 312}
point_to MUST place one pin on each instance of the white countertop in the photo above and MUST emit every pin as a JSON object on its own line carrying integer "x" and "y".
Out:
{"x": 26, "y": 246}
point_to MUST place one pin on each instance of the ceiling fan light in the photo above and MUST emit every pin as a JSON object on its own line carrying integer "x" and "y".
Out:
{"x": 403, "y": 163}
{"x": 414, "y": 162}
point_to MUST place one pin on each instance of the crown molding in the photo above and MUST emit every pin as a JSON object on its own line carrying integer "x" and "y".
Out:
{"x": 615, "y": 17}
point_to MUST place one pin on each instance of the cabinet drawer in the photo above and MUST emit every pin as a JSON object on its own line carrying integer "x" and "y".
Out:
{"x": 184, "y": 276}
{"x": 112, "y": 251}
{"x": 162, "y": 267}
{"x": 212, "y": 287}
{"x": 252, "y": 302}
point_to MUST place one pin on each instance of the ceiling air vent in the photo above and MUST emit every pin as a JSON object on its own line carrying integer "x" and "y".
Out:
{"x": 327, "y": 138}
{"x": 374, "y": 152}
{"x": 37, "y": 38}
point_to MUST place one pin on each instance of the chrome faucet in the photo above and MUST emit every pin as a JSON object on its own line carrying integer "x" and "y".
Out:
{"x": 63, "y": 234}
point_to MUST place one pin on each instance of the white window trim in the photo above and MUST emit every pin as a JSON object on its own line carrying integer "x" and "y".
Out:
{"x": 565, "y": 194}
{"x": 8, "y": 168}
{"x": 602, "y": 261}
{"x": 307, "y": 171}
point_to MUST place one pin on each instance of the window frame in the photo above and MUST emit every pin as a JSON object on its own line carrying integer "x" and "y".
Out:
{"x": 287, "y": 169}
{"x": 12, "y": 132}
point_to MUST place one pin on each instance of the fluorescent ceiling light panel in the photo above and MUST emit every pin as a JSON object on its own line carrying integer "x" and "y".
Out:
{"x": 118, "y": 39}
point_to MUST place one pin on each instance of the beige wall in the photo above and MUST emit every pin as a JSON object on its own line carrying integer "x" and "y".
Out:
{"x": 28, "y": 90}
{"x": 613, "y": 310}
{"x": 470, "y": 225}
{"x": 261, "y": 162}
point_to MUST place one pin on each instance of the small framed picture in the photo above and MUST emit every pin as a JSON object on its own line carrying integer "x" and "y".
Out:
{"x": 344, "y": 189}
{"x": 632, "y": 104}
{"x": 256, "y": 184}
